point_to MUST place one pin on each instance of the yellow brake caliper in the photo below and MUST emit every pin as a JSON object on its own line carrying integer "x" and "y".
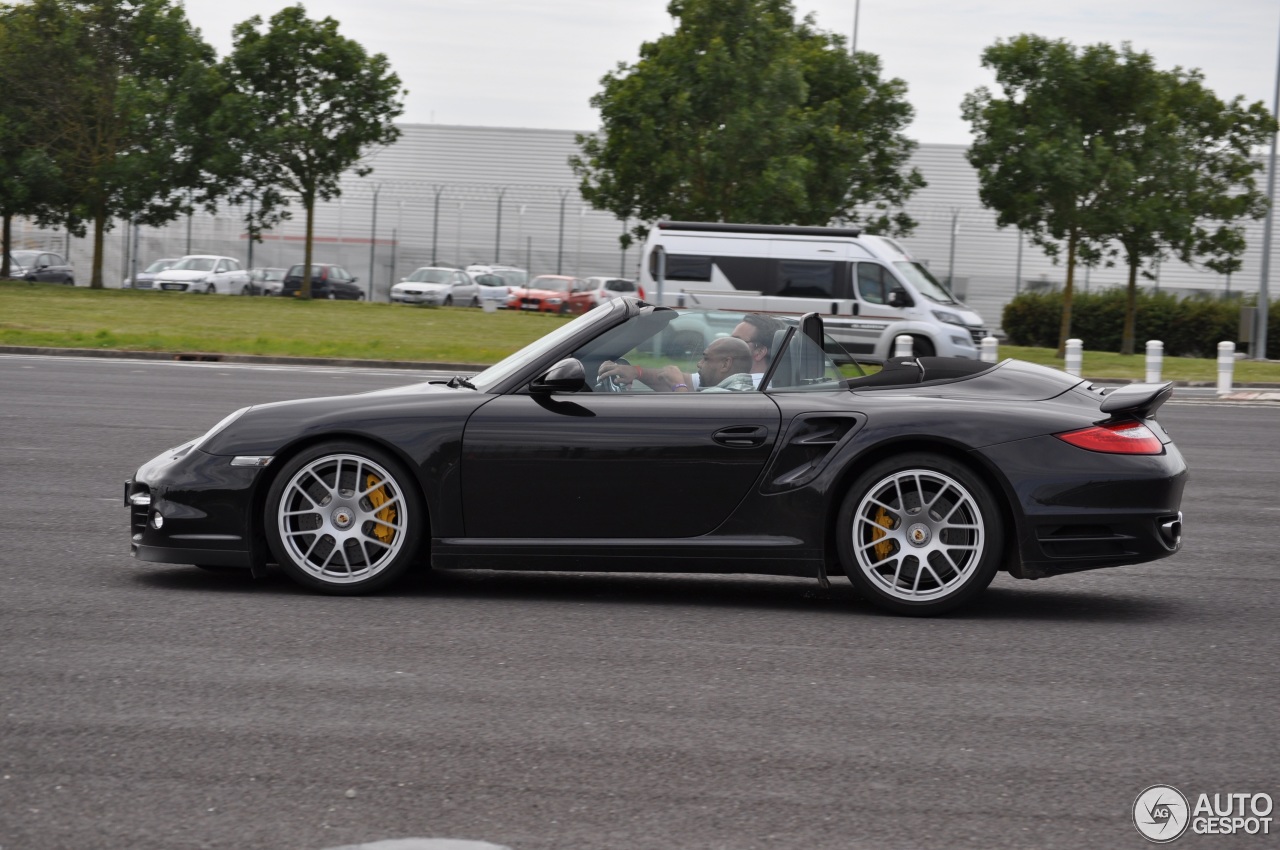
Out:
{"x": 884, "y": 549}
{"x": 381, "y": 529}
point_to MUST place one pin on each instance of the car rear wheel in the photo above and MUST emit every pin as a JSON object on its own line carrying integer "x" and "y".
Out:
{"x": 344, "y": 519}
{"x": 919, "y": 534}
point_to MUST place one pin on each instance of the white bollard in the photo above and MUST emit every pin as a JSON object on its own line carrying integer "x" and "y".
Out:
{"x": 1075, "y": 356}
{"x": 990, "y": 350}
{"x": 1226, "y": 365}
{"x": 1155, "y": 360}
{"x": 902, "y": 346}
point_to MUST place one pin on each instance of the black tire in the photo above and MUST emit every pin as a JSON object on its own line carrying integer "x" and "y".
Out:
{"x": 350, "y": 500}
{"x": 211, "y": 290}
{"x": 919, "y": 534}
{"x": 448, "y": 301}
{"x": 475, "y": 302}
{"x": 922, "y": 346}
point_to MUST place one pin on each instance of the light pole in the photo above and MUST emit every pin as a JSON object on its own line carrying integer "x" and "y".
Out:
{"x": 497, "y": 239}
{"x": 520, "y": 232}
{"x": 373, "y": 236}
{"x": 1258, "y": 350}
{"x": 435, "y": 224}
{"x": 457, "y": 244}
{"x": 564, "y": 196}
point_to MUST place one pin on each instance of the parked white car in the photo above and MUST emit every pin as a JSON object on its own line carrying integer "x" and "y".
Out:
{"x": 604, "y": 288}
{"x": 437, "y": 286}
{"x": 205, "y": 273}
{"x": 491, "y": 289}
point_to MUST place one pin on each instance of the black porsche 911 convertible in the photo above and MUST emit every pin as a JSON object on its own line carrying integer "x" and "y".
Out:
{"x": 600, "y": 447}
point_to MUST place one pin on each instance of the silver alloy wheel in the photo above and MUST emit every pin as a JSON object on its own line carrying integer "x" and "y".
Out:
{"x": 342, "y": 519}
{"x": 918, "y": 535}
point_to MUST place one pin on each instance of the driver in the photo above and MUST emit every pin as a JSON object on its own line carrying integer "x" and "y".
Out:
{"x": 725, "y": 366}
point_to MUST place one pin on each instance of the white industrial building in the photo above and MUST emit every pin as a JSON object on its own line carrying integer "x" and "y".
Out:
{"x": 497, "y": 194}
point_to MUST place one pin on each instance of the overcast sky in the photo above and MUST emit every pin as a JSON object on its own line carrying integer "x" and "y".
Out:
{"x": 515, "y": 63}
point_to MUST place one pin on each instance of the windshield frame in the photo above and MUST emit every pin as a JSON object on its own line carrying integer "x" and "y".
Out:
{"x": 591, "y": 323}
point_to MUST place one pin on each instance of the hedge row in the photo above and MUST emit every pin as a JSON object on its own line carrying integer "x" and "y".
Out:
{"x": 1190, "y": 327}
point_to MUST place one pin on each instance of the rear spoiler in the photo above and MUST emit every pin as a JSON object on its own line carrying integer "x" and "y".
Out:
{"x": 1137, "y": 399}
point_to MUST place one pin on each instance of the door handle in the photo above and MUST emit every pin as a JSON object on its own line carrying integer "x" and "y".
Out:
{"x": 741, "y": 436}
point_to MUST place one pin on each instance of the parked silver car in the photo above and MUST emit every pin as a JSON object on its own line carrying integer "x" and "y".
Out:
{"x": 437, "y": 286}
{"x": 146, "y": 279}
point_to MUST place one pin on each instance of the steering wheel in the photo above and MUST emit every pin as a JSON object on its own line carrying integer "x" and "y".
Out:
{"x": 611, "y": 384}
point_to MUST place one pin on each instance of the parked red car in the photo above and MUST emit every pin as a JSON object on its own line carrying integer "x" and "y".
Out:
{"x": 552, "y": 293}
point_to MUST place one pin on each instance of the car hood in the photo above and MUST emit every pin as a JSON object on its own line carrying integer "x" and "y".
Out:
{"x": 521, "y": 292}
{"x": 420, "y": 286}
{"x": 181, "y": 274}
{"x": 393, "y": 416}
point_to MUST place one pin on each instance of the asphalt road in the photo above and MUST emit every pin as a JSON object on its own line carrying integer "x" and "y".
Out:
{"x": 153, "y": 706}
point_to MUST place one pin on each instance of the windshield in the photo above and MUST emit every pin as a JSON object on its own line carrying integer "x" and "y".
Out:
{"x": 503, "y": 369}
{"x": 196, "y": 264}
{"x": 431, "y": 276}
{"x": 555, "y": 284}
{"x": 23, "y": 258}
{"x": 159, "y": 266}
{"x": 926, "y": 283}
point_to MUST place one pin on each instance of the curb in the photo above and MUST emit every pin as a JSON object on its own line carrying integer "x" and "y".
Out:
{"x": 203, "y": 357}
{"x": 262, "y": 359}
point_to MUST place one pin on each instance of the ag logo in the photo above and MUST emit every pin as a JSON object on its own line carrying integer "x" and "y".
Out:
{"x": 1161, "y": 813}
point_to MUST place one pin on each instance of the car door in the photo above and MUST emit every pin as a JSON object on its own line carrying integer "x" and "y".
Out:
{"x": 221, "y": 277}
{"x": 47, "y": 268}
{"x": 465, "y": 290}
{"x": 637, "y": 465}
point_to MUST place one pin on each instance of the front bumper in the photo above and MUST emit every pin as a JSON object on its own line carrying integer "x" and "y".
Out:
{"x": 203, "y": 506}
{"x": 434, "y": 298}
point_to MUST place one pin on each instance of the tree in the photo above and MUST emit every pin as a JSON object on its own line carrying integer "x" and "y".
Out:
{"x": 1044, "y": 151}
{"x": 29, "y": 183}
{"x": 1188, "y": 179}
{"x": 123, "y": 120}
{"x": 303, "y": 104}
{"x": 743, "y": 114}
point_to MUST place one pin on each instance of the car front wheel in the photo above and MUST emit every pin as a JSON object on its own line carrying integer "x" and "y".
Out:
{"x": 344, "y": 519}
{"x": 919, "y": 534}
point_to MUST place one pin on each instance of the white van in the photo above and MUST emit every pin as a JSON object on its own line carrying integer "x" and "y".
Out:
{"x": 868, "y": 288}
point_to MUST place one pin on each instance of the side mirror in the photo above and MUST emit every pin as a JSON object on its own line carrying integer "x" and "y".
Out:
{"x": 355, "y": 280}
{"x": 898, "y": 298}
{"x": 567, "y": 376}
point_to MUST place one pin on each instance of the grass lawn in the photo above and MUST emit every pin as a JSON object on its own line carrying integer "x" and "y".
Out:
{"x": 64, "y": 317}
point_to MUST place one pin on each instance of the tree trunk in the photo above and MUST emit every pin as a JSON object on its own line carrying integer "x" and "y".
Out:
{"x": 99, "y": 234}
{"x": 309, "y": 204}
{"x": 1068, "y": 291}
{"x": 1127, "y": 341}
{"x": 6, "y": 234}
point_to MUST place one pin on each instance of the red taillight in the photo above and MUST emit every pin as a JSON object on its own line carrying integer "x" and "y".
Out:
{"x": 1122, "y": 438}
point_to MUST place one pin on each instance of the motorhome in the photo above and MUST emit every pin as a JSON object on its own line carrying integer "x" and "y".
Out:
{"x": 868, "y": 288}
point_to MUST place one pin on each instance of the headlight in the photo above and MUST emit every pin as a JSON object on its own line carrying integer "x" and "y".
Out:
{"x": 948, "y": 317}
{"x": 555, "y": 300}
{"x": 219, "y": 428}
